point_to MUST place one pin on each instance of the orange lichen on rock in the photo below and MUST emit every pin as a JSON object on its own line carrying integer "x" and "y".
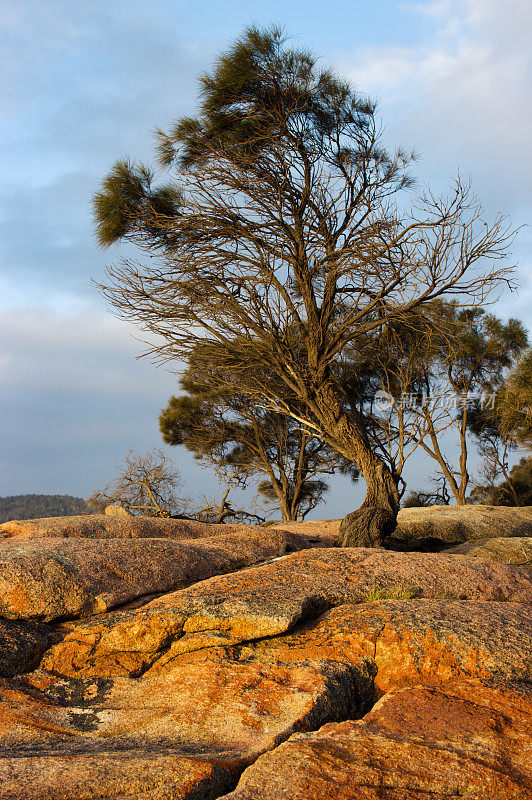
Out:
{"x": 467, "y": 739}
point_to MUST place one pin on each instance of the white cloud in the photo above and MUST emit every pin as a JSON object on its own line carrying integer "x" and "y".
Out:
{"x": 462, "y": 98}
{"x": 464, "y": 94}
{"x": 75, "y": 351}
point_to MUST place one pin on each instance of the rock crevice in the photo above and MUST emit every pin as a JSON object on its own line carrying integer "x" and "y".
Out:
{"x": 322, "y": 674}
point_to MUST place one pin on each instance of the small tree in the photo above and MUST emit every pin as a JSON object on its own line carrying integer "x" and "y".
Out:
{"x": 420, "y": 498}
{"x": 146, "y": 484}
{"x": 279, "y": 236}
{"x": 465, "y": 362}
{"x": 240, "y": 439}
{"x": 514, "y": 406}
{"x": 502, "y": 428}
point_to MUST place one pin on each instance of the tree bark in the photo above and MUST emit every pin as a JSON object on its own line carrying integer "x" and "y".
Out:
{"x": 377, "y": 516}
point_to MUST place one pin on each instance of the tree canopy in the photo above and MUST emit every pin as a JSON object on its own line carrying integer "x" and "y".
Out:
{"x": 241, "y": 439}
{"x": 280, "y": 243}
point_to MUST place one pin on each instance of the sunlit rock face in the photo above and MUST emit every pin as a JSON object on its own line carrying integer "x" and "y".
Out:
{"x": 327, "y": 672}
{"x": 457, "y": 524}
{"x": 466, "y": 739}
{"x": 514, "y": 550}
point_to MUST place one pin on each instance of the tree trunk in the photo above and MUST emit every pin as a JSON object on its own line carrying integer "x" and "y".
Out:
{"x": 285, "y": 504}
{"x": 377, "y": 516}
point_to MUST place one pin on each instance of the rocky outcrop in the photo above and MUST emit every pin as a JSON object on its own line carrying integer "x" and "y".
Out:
{"x": 417, "y": 665}
{"x": 298, "y": 535}
{"x": 105, "y": 526}
{"x": 270, "y": 600}
{"x": 515, "y": 550}
{"x": 457, "y": 524}
{"x": 467, "y": 739}
{"x": 46, "y": 579}
{"x": 77, "y": 770}
{"x": 227, "y": 705}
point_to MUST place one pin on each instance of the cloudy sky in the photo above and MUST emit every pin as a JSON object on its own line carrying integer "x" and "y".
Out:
{"x": 86, "y": 81}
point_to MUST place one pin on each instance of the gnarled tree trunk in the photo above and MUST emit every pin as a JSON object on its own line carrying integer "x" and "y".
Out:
{"x": 377, "y": 516}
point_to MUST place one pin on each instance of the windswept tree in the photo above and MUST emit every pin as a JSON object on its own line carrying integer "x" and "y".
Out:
{"x": 241, "y": 439}
{"x": 279, "y": 235}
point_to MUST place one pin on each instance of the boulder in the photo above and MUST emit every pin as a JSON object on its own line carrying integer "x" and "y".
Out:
{"x": 515, "y": 550}
{"x": 47, "y": 579}
{"x": 457, "y": 524}
{"x": 467, "y": 739}
{"x": 115, "y": 510}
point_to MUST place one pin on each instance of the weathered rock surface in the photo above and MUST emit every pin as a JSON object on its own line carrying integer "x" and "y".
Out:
{"x": 410, "y": 642}
{"x": 226, "y": 705}
{"x": 270, "y": 599}
{"x": 176, "y": 698}
{"x": 22, "y": 645}
{"x": 515, "y": 550}
{"x": 456, "y": 524}
{"x": 217, "y": 706}
{"x": 464, "y": 740}
{"x": 46, "y": 579}
{"x": 299, "y": 535}
{"x": 128, "y": 774}
{"x": 104, "y": 526}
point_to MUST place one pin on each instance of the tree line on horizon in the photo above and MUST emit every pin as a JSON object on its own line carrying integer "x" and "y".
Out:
{"x": 32, "y": 506}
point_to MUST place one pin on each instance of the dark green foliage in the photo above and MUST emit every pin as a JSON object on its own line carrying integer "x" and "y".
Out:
{"x": 504, "y": 425}
{"x": 255, "y": 85}
{"x": 33, "y": 506}
{"x": 515, "y": 402}
{"x": 464, "y": 364}
{"x": 477, "y": 347}
{"x": 241, "y": 439}
{"x": 128, "y": 204}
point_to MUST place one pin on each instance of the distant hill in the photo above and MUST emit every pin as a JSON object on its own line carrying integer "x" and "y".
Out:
{"x": 30, "y": 506}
